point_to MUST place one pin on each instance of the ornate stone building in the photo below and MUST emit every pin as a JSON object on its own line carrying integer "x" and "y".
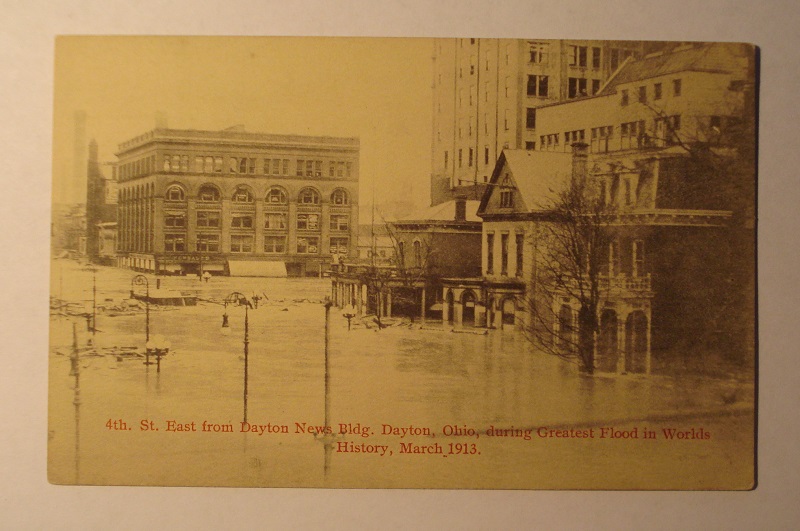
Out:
{"x": 237, "y": 203}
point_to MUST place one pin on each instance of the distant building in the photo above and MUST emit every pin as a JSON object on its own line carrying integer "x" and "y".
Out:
{"x": 486, "y": 93}
{"x": 101, "y": 211}
{"x": 428, "y": 245}
{"x": 237, "y": 203}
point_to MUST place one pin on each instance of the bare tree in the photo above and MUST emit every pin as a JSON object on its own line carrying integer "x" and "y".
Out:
{"x": 572, "y": 246}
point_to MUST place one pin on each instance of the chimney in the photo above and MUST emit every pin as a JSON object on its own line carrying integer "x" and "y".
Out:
{"x": 580, "y": 161}
{"x": 461, "y": 209}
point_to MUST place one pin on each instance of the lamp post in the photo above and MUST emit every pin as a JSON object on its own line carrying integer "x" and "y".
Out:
{"x": 241, "y": 300}
{"x": 93, "y": 328}
{"x": 348, "y": 313}
{"x": 158, "y": 346}
{"x": 140, "y": 280}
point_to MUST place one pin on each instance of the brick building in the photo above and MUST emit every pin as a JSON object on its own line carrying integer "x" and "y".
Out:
{"x": 237, "y": 203}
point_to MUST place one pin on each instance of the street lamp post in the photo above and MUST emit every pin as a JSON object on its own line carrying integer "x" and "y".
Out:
{"x": 348, "y": 313}
{"x": 158, "y": 346}
{"x": 140, "y": 280}
{"x": 240, "y": 300}
{"x": 93, "y": 328}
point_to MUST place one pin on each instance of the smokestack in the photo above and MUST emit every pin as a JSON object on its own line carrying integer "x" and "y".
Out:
{"x": 461, "y": 209}
{"x": 580, "y": 161}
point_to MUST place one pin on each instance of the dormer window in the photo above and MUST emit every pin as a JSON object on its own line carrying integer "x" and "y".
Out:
{"x": 506, "y": 194}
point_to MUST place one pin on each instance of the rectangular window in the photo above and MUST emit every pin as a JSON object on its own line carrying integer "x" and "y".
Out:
{"x": 239, "y": 221}
{"x": 657, "y": 91}
{"x": 489, "y": 253}
{"x": 308, "y": 245}
{"x": 332, "y": 169}
{"x": 507, "y": 119}
{"x": 285, "y": 166}
{"x": 300, "y": 164}
{"x": 506, "y": 197}
{"x": 307, "y": 221}
{"x": 638, "y": 258}
{"x": 174, "y": 220}
{"x": 486, "y": 155}
{"x": 577, "y": 55}
{"x": 520, "y": 248}
{"x": 577, "y": 87}
{"x": 601, "y": 137}
{"x": 218, "y": 164}
{"x": 595, "y": 57}
{"x": 446, "y": 155}
{"x": 208, "y": 219}
{"x": 460, "y": 153}
{"x": 339, "y": 245}
{"x": 530, "y": 146}
{"x": 208, "y": 243}
{"x": 628, "y": 193}
{"x": 676, "y": 87}
{"x": 266, "y": 166}
{"x": 643, "y": 94}
{"x": 251, "y": 165}
{"x": 174, "y": 242}
{"x": 241, "y": 243}
{"x": 595, "y": 86}
{"x": 537, "y": 86}
{"x": 198, "y": 164}
{"x": 470, "y": 157}
{"x": 614, "y": 259}
{"x": 340, "y": 169}
{"x": 530, "y": 118}
{"x": 274, "y": 244}
{"x": 276, "y": 166}
{"x": 317, "y": 168}
{"x": 504, "y": 254}
{"x": 309, "y": 168}
{"x": 274, "y": 221}
{"x": 340, "y": 222}
{"x": 538, "y": 52}
{"x": 623, "y": 97}
{"x": 507, "y": 86}
{"x": 614, "y": 59}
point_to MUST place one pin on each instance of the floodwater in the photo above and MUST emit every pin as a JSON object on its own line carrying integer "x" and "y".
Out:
{"x": 394, "y": 392}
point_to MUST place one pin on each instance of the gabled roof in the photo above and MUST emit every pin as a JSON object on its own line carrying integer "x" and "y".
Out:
{"x": 715, "y": 57}
{"x": 442, "y": 212}
{"x": 538, "y": 175}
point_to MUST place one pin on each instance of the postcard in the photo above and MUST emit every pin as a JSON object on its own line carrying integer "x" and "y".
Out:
{"x": 463, "y": 263}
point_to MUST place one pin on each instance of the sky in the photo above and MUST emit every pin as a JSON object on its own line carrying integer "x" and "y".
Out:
{"x": 378, "y": 90}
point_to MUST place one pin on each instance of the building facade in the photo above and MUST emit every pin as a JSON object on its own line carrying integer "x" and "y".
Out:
{"x": 485, "y": 96}
{"x": 427, "y": 246}
{"x": 666, "y": 147}
{"x": 238, "y": 203}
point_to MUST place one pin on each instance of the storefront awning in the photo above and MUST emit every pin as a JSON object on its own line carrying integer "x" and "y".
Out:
{"x": 255, "y": 268}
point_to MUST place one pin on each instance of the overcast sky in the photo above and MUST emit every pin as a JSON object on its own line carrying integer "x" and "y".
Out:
{"x": 376, "y": 89}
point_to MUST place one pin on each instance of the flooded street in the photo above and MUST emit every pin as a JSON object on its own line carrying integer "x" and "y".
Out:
{"x": 497, "y": 410}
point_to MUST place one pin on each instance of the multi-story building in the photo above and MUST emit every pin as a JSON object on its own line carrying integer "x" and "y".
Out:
{"x": 667, "y": 146}
{"x": 238, "y": 203}
{"x": 101, "y": 211}
{"x": 485, "y": 96}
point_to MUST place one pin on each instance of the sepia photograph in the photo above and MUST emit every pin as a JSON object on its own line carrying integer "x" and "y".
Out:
{"x": 444, "y": 263}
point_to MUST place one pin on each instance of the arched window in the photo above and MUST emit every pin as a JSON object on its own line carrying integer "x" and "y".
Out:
{"x": 308, "y": 196}
{"x": 208, "y": 192}
{"x": 276, "y": 196}
{"x": 339, "y": 197}
{"x": 417, "y": 253}
{"x": 242, "y": 195}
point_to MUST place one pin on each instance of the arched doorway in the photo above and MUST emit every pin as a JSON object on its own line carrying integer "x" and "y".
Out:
{"x": 448, "y": 307}
{"x": 636, "y": 342}
{"x": 565, "y": 328}
{"x": 509, "y": 310}
{"x": 468, "y": 308}
{"x": 607, "y": 342}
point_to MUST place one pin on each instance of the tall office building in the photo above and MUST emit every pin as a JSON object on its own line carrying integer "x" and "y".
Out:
{"x": 485, "y": 95}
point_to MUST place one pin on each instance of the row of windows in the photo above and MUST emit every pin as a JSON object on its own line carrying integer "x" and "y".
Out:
{"x": 632, "y": 135}
{"x": 242, "y": 194}
{"x": 519, "y": 240}
{"x": 243, "y": 243}
{"x": 273, "y": 220}
{"x": 611, "y": 264}
{"x": 241, "y": 165}
{"x": 658, "y": 92}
